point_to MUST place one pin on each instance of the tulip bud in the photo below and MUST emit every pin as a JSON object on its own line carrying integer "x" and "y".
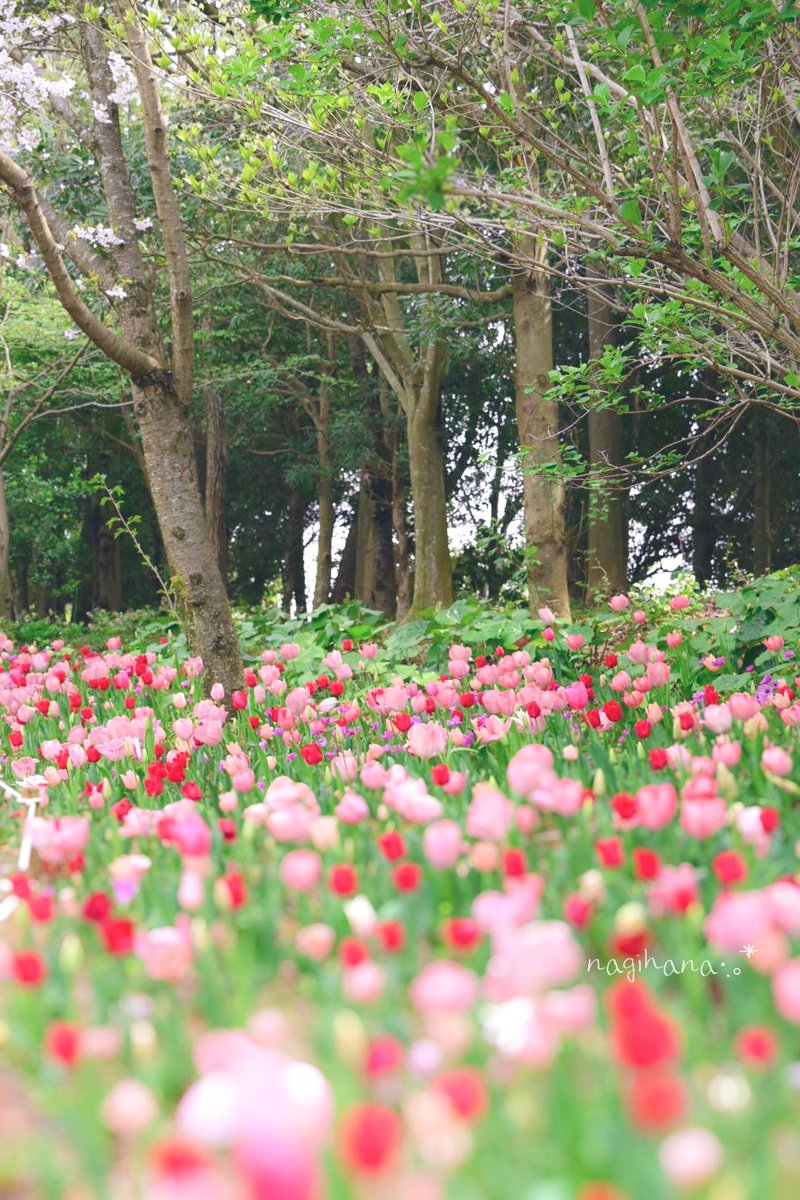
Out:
{"x": 726, "y": 781}
{"x": 144, "y": 1041}
{"x": 630, "y": 919}
{"x": 70, "y": 954}
{"x": 350, "y": 1037}
{"x": 591, "y": 886}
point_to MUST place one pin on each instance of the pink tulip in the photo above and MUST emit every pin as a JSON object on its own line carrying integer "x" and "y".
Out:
{"x": 166, "y": 952}
{"x": 737, "y": 919}
{"x": 373, "y": 775}
{"x": 352, "y": 809}
{"x": 442, "y": 844}
{"x": 690, "y": 1158}
{"x": 703, "y": 818}
{"x": 129, "y": 1108}
{"x": 717, "y": 718}
{"x": 776, "y": 761}
{"x": 577, "y": 696}
{"x": 639, "y": 653}
{"x": 364, "y": 983}
{"x": 301, "y": 870}
{"x": 656, "y": 805}
{"x": 528, "y": 765}
{"x": 427, "y": 739}
{"x": 658, "y": 673}
{"x": 726, "y": 752}
{"x": 315, "y": 942}
{"x": 571, "y": 1009}
{"x": 786, "y": 990}
{"x": 444, "y": 987}
{"x": 532, "y": 959}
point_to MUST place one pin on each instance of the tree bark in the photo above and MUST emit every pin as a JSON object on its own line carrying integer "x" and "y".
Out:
{"x": 376, "y": 585}
{"x": 762, "y": 498}
{"x": 433, "y": 572}
{"x": 345, "y": 584}
{"x": 196, "y": 579}
{"x": 704, "y": 519}
{"x": 216, "y": 471}
{"x": 6, "y": 599}
{"x": 294, "y": 575}
{"x": 399, "y": 492}
{"x": 537, "y": 422}
{"x": 607, "y": 551}
{"x": 375, "y": 573}
{"x": 363, "y": 535}
{"x": 322, "y": 422}
{"x": 107, "y": 582}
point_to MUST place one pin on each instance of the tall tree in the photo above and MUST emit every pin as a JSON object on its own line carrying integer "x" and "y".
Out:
{"x": 537, "y": 421}
{"x": 161, "y": 380}
{"x": 607, "y": 550}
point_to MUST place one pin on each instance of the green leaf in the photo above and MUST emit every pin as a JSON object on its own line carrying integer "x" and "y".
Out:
{"x": 631, "y": 213}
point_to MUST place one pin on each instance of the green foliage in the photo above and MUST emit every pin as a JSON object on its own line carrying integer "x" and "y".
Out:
{"x": 45, "y": 501}
{"x": 765, "y": 607}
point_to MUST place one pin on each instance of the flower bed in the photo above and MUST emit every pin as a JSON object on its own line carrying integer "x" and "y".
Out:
{"x": 509, "y": 918}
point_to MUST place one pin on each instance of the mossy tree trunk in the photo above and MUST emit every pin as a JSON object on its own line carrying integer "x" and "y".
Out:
{"x": 607, "y": 550}
{"x": 537, "y": 423}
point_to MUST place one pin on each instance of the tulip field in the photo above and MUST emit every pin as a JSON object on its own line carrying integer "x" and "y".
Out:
{"x": 485, "y": 906}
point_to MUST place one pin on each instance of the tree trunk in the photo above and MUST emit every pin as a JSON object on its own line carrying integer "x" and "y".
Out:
{"x": 172, "y": 476}
{"x": 6, "y": 601}
{"x": 607, "y": 551}
{"x": 762, "y": 499}
{"x": 400, "y": 529}
{"x": 327, "y": 517}
{"x": 537, "y": 422}
{"x": 414, "y": 372}
{"x": 107, "y": 582}
{"x": 216, "y": 471}
{"x": 363, "y": 535}
{"x": 433, "y": 572}
{"x": 322, "y": 582}
{"x": 375, "y": 577}
{"x": 345, "y": 585}
{"x": 704, "y": 519}
{"x": 24, "y": 591}
{"x": 376, "y": 585}
{"x": 294, "y": 575}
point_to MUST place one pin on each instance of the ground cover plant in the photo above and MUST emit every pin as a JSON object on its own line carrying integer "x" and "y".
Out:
{"x": 483, "y": 905}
